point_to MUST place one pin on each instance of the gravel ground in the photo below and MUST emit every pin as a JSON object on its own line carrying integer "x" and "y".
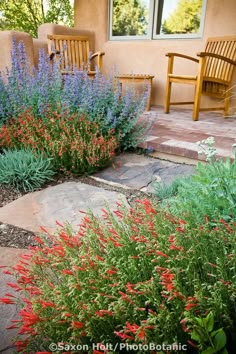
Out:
{"x": 11, "y": 236}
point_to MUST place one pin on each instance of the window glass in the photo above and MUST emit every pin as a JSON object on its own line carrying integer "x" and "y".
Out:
{"x": 179, "y": 16}
{"x": 130, "y": 17}
{"x": 134, "y": 19}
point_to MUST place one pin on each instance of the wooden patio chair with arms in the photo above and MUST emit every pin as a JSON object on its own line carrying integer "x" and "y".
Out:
{"x": 214, "y": 77}
{"x": 73, "y": 53}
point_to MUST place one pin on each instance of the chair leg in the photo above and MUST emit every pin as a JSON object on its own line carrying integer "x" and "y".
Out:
{"x": 168, "y": 94}
{"x": 198, "y": 88}
{"x": 197, "y": 98}
{"x": 196, "y": 105}
{"x": 226, "y": 104}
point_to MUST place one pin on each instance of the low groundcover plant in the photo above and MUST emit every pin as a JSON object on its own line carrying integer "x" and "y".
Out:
{"x": 139, "y": 276}
{"x": 24, "y": 170}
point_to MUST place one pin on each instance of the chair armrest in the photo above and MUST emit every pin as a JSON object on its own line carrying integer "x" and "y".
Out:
{"x": 97, "y": 54}
{"x": 218, "y": 56}
{"x": 182, "y": 56}
{"x": 53, "y": 54}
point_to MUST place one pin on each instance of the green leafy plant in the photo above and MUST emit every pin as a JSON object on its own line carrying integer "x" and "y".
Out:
{"x": 210, "y": 192}
{"x": 202, "y": 331}
{"x": 72, "y": 142}
{"x": 24, "y": 170}
{"x": 135, "y": 277}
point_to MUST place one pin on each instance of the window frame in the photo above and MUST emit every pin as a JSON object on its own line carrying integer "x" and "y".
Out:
{"x": 152, "y": 25}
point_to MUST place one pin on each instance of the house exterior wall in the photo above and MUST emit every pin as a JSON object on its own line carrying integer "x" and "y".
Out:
{"x": 148, "y": 56}
{"x": 6, "y": 40}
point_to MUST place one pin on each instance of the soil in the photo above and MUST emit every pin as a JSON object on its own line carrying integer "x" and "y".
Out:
{"x": 12, "y": 236}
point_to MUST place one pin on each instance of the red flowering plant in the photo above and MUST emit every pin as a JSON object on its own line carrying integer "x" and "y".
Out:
{"x": 138, "y": 276}
{"x": 72, "y": 141}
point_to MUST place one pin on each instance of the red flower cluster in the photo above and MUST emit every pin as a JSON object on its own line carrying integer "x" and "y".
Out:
{"x": 75, "y": 143}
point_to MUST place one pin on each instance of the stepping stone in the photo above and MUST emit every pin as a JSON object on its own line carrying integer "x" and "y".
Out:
{"x": 138, "y": 171}
{"x": 58, "y": 203}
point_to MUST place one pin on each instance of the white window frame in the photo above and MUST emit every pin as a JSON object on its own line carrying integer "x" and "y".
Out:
{"x": 152, "y": 25}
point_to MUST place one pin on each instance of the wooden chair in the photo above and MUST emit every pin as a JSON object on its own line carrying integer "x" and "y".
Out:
{"x": 214, "y": 77}
{"x": 73, "y": 53}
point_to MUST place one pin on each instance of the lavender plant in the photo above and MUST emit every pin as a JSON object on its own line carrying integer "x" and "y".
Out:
{"x": 43, "y": 88}
{"x": 104, "y": 104}
{"x": 25, "y": 87}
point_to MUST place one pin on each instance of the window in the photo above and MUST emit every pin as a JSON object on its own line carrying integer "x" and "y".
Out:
{"x": 146, "y": 19}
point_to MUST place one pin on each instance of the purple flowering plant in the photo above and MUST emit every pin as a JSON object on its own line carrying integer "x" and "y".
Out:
{"x": 43, "y": 88}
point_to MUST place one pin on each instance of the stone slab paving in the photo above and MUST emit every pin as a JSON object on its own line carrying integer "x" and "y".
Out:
{"x": 176, "y": 134}
{"x": 139, "y": 171}
{"x": 8, "y": 258}
{"x": 58, "y": 203}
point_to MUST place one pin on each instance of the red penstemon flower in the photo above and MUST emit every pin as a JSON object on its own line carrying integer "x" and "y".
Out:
{"x": 125, "y": 297}
{"x": 77, "y": 324}
{"x": 102, "y": 313}
{"x": 192, "y": 344}
{"x": 6, "y": 300}
{"x": 159, "y": 253}
{"x": 47, "y": 304}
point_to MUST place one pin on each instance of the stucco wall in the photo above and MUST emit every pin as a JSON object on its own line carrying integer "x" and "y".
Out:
{"x": 6, "y": 40}
{"x": 148, "y": 56}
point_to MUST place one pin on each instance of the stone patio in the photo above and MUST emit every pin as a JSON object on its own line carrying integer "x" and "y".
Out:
{"x": 174, "y": 135}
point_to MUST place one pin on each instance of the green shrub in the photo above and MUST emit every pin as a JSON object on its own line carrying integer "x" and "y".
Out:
{"x": 138, "y": 277}
{"x": 209, "y": 193}
{"x": 71, "y": 140}
{"x": 24, "y": 170}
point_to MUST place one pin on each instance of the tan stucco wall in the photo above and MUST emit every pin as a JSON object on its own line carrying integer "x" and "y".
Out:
{"x": 148, "y": 56}
{"x": 6, "y": 39}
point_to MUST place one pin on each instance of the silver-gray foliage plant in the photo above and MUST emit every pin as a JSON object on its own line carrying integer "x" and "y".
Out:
{"x": 24, "y": 170}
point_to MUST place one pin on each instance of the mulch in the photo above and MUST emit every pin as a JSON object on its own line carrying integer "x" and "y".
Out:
{"x": 12, "y": 236}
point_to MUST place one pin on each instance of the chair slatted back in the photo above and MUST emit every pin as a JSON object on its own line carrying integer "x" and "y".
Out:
{"x": 74, "y": 51}
{"x": 217, "y": 70}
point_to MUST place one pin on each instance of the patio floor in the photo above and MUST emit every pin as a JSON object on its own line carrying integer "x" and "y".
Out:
{"x": 173, "y": 136}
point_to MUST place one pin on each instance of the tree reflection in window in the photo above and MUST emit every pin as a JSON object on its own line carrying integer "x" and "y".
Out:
{"x": 179, "y": 16}
{"x": 130, "y": 17}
